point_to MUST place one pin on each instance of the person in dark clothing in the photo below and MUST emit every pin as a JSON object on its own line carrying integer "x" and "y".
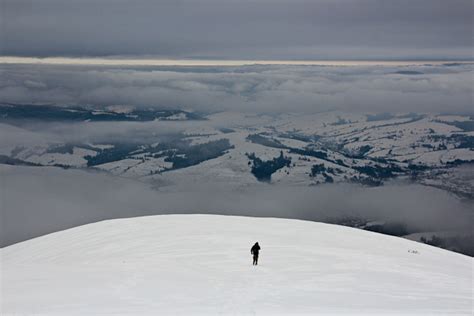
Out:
{"x": 254, "y": 251}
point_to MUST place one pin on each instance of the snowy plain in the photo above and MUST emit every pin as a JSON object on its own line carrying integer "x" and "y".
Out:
{"x": 201, "y": 264}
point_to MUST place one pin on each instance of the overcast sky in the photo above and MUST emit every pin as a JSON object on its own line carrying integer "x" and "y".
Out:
{"x": 239, "y": 29}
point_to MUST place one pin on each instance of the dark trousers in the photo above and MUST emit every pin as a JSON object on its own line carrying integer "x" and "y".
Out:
{"x": 255, "y": 259}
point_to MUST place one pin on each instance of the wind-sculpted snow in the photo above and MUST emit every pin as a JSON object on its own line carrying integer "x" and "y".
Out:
{"x": 201, "y": 264}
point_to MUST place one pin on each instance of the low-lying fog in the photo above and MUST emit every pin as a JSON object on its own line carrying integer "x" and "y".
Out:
{"x": 37, "y": 201}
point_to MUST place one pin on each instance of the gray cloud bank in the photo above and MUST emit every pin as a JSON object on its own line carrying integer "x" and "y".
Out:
{"x": 288, "y": 29}
{"x": 433, "y": 88}
{"x": 36, "y": 201}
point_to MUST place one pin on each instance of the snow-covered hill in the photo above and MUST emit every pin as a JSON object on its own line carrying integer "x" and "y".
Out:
{"x": 201, "y": 264}
{"x": 329, "y": 147}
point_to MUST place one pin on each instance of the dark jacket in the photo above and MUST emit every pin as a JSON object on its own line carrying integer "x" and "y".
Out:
{"x": 255, "y": 249}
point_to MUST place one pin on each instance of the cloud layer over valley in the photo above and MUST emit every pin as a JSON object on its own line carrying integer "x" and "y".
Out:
{"x": 263, "y": 89}
{"x": 36, "y": 201}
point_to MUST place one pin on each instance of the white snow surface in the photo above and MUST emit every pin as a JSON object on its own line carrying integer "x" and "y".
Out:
{"x": 201, "y": 264}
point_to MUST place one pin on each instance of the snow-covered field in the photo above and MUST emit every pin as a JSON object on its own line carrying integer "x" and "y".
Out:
{"x": 201, "y": 264}
{"x": 351, "y": 148}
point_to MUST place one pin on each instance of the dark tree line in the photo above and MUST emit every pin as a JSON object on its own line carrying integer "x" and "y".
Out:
{"x": 263, "y": 170}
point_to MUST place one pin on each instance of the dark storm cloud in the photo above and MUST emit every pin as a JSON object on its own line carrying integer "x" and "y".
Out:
{"x": 263, "y": 89}
{"x": 287, "y": 29}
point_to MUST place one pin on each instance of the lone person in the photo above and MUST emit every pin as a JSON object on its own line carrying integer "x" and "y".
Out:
{"x": 254, "y": 251}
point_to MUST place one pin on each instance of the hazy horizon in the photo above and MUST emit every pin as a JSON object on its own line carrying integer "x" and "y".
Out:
{"x": 150, "y": 61}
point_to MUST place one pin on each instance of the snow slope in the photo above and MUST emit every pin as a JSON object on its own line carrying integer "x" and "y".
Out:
{"x": 201, "y": 264}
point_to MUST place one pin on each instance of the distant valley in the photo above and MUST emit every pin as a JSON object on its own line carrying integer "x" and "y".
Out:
{"x": 241, "y": 149}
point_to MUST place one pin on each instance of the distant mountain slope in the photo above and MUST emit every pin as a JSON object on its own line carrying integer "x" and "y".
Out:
{"x": 17, "y": 113}
{"x": 289, "y": 149}
{"x": 200, "y": 264}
